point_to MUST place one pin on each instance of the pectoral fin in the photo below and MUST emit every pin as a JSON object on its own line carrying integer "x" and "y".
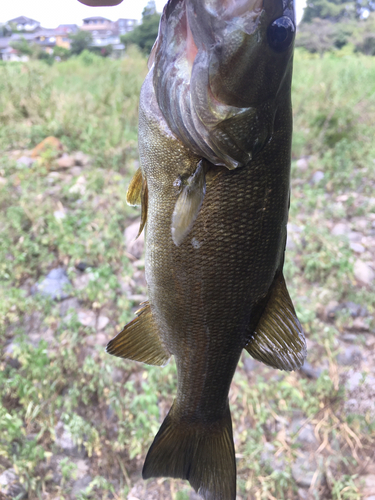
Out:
{"x": 133, "y": 196}
{"x": 188, "y": 204}
{"x": 140, "y": 340}
{"x": 278, "y": 339}
{"x": 138, "y": 195}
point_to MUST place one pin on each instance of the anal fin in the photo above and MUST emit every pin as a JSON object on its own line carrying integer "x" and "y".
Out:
{"x": 140, "y": 340}
{"x": 278, "y": 339}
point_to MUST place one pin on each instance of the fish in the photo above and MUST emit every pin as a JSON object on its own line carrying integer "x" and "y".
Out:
{"x": 215, "y": 127}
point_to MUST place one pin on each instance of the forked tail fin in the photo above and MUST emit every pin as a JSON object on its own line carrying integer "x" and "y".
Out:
{"x": 201, "y": 453}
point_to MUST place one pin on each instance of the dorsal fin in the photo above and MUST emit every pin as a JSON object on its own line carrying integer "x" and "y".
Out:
{"x": 278, "y": 339}
{"x": 140, "y": 340}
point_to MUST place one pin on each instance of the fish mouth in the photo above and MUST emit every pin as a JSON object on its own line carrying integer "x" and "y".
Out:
{"x": 209, "y": 72}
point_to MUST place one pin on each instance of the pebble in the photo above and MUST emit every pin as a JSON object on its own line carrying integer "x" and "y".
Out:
{"x": 363, "y": 273}
{"x": 267, "y": 457}
{"x": 305, "y": 432}
{"x": 310, "y": 372}
{"x": 355, "y": 236}
{"x": 340, "y": 229}
{"x": 67, "y": 304}
{"x": 79, "y": 187}
{"x": 87, "y": 318}
{"x": 102, "y": 322}
{"x": 80, "y": 485}
{"x": 357, "y": 247}
{"x": 81, "y": 159}
{"x": 10, "y": 486}
{"x": 354, "y": 381}
{"x": 66, "y": 161}
{"x": 351, "y": 356}
{"x": 317, "y": 177}
{"x": 134, "y": 246}
{"x": 54, "y": 284}
{"x": 302, "y": 164}
{"x": 303, "y": 472}
{"x": 25, "y": 161}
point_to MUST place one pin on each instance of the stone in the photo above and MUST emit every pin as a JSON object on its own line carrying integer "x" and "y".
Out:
{"x": 360, "y": 325}
{"x": 10, "y": 485}
{"x": 102, "y": 322}
{"x": 363, "y": 273}
{"x": 55, "y": 284}
{"x": 340, "y": 229}
{"x": 65, "y": 161}
{"x": 80, "y": 485}
{"x": 351, "y": 356}
{"x": 305, "y": 432}
{"x": 310, "y": 372}
{"x": 25, "y": 161}
{"x": 354, "y": 381}
{"x": 64, "y": 439}
{"x": 87, "y": 318}
{"x": 304, "y": 471}
{"x": 355, "y": 236}
{"x": 369, "y": 481}
{"x": 134, "y": 245}
{"x": 67, "y": 304}
{"x": 357, "y": 247}
{"x": 267, "y": 457}
{"x": 79, "y": 187}
{"x": 355, "y": 309}
{"x": 81, "y": 159}
{"x": 302, "y": 164}
{"x": 59, "y": 214}
{"x": 317, "y": 177}
{"x": 49, "y": 143}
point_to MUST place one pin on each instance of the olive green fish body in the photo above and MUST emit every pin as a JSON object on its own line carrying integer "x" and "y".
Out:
{"x": 214, "y": 188}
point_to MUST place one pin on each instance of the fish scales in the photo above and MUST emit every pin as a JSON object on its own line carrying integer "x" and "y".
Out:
{"x": 214, "y": 189}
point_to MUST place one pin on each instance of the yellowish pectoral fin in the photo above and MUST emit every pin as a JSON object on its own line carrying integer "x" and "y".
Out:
{"x": 138, "y": 195}
{"x": 279, "y": 340}
{"x": 188, "y": 204}
{"x": 140, "y": 340}
{"x": 133, "y": 196}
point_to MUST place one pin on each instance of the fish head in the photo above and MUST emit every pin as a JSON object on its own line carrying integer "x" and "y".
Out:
{"x": 221, "y": 69}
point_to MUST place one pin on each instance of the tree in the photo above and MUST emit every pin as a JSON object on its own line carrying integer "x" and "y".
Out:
{"x": 332, "y": 10}
{"x": 22, "y": 47}
{"x": 365, "y": 39}
{"x": 145, "y": 34}
{"x": 321, "y": 35}
{"x": 80, "y": 41}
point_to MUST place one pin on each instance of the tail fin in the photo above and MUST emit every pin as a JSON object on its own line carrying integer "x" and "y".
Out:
{"x": 203, "y": 454}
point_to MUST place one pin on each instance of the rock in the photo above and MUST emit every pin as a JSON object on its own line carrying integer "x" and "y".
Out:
{"x": 82, "y": 266}
{"x": 80, "y": 485}
{"x": 59, "y": 214}
{"x": 363, "y": 273}
{"x": 10, "y": 485}
{"x": 354, "y": 236}
{"x": 250, "y": 364}
{"x": 81, "y": 159}
{"x": 303, "y": 494}
{"x": 369, "y": 481}
{"x": 102, "y": 322}
{"x": 317, "y": 177}
{"x": 302, "y": 164}
{"x": 330, "y": 310}
{"x": 349, "y": 337}
{"x": 76, "y": 171}
{"x": 64, "y": 439}
{"x": 79, "y": 187}
{"x": 360, "y": 325}
{"x": 25, "y": 161}
{"x": 305, "y": 432}
{"x": 49, "y": 143}
{"x": 267, "y": 457}
{"x": 351, "y": 356}
{"x": 357, "y": 247}
{"x": 134, "y": 246}
{"x": 304, "y": 470}
{"x": 310, "y": 372}
{"x": 354, "y": 381}
{"x": 340, "y": 229}
{"x": 354, "y": 309}
{"x": 87, "y": 318}
{"x": 372, "y": 497}
{"x": 55, "y": 284}
{"x": 68, "y": 304}
{"x": 66, "y": 161}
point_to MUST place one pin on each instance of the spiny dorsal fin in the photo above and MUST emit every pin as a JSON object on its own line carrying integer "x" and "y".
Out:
{"x": 140, "y": 340}
{"x": 203, "y": 454}
{"x": 278, "y": 338}
{"x": 133, "y": 195}
{"x": 188, "y": 204}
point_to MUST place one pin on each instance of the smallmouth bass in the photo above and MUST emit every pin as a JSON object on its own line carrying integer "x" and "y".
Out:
{"x": 215, "y": 127}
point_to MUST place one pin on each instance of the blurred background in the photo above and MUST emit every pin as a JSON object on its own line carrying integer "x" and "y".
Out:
{"x": 76, "y": 423}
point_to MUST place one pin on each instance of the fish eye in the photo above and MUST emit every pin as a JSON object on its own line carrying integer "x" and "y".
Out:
{"x": 281, "y": 33}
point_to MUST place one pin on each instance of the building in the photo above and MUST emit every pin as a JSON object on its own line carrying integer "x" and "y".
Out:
{"x": 125, "y": 25}
{"x": 23, "y": 23}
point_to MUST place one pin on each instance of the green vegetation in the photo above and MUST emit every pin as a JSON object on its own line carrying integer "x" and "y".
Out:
{"x": 145, "y": 34}
{"x": 76, "y": 422}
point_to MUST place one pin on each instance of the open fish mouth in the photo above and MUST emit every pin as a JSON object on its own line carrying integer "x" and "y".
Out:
{"x": 214, "y": 69}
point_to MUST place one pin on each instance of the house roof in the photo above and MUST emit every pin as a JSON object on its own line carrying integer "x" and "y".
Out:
{"x": 67, "y": 28}
{"x": 97, "y": 18}
{"x": 23, "y": 20}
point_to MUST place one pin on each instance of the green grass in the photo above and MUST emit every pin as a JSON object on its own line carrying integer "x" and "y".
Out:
{"x": 55, "y": 371}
